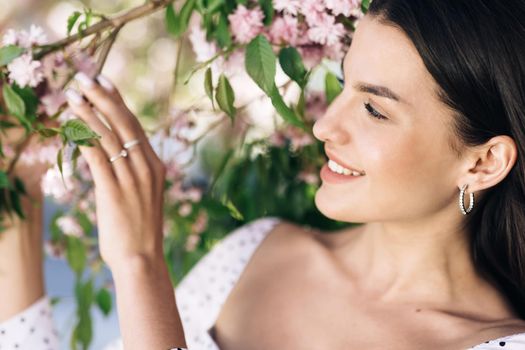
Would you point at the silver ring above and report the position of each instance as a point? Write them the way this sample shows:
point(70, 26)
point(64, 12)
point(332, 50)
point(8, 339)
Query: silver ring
point(122, 154)
point(131, 144)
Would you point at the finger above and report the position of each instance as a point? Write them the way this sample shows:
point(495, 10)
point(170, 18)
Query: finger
point(100, 168)
point(108, 101)
point(109, 141)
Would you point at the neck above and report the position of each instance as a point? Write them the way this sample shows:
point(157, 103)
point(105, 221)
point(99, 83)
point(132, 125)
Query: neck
point(426, 260)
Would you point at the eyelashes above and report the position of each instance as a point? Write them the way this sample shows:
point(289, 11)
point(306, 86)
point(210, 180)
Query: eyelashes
point(371, 111)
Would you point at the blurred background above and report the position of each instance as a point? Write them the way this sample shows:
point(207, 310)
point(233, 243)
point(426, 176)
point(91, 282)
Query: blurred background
point(141, 64)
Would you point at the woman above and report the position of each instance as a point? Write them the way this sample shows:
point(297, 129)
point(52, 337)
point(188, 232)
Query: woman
point(431, 112)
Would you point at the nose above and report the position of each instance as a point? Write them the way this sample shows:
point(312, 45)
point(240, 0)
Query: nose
point(330, 127)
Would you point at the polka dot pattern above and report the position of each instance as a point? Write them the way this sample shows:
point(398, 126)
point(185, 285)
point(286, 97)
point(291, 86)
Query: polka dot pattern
point(33, 328)
point(200, 296)
point(510, 342)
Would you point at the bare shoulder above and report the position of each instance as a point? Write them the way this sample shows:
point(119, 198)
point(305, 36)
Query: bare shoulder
point(292, 238)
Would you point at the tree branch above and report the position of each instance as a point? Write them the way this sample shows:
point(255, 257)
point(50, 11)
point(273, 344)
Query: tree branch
point(116, 22)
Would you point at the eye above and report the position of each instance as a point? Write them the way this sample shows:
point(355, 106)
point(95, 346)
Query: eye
point(341, 81)
point(373, 112)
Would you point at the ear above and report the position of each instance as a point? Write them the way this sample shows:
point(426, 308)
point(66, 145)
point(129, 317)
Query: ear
point(488, 164)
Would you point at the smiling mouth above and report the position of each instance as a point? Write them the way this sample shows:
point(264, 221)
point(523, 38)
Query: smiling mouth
point(339, 169)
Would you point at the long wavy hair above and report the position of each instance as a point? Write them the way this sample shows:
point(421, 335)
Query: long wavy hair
point(475, 51)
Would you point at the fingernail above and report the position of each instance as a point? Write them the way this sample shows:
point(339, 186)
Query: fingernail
point(105, 83)
point(84, 80)
point(74, 97)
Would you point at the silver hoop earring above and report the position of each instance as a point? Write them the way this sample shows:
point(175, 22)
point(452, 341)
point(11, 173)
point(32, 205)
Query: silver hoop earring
point(462, 199)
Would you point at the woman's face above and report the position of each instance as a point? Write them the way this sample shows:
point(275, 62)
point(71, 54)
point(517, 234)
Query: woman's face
point(410, 169)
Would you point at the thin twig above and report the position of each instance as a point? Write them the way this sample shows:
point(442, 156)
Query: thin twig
point(106, 48)
point(116, 22)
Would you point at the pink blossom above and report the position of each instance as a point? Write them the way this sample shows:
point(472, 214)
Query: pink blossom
point(56, 70)
point(53, 186)
point(54, 249)
point(312, 55)
point(9, 151)
point(201, 223)
point(10, 37)
point(52, 102)
point(35, 36)
point(41, 154)
point(326, 31)
point(298, 138)
point(85, 64)
point(191, 242)
point(335, 52)
point(277, 139)
point(288, 6)
point(70, 226)
point(312, 10)
point(185, 209)
point(342, 7)
point(246, 24)
point(167, 227)
point(315, 105)
point(25, 71)
point(204, 50)
point(309, 177)
point(285, 29)
point(25, 39)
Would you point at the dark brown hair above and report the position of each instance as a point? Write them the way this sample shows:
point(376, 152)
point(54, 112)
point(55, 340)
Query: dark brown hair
point(475, 51)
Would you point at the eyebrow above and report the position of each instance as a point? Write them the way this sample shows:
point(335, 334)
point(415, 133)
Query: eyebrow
point(378, 90)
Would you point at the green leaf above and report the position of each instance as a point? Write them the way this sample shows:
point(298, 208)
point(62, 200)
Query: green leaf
point(208, 85)
point(30, 99)
point(4, 180)
point(177, 24)
point(213, 6)
point(284, 111)
point(17, 205)
point(60, 165)
point(332, 87)
point(72, 19)
point(15, 103)
point(225, 96)
point(76, 254)
point(9, 53)
point(104, 301)
point(49, 132)
point(268, 10)
point(171, 20)
point(76, 130)
point(364, 6)
point(222, 32)
point(260, 63)
point(234, 212)
point(4, 124)
point(19, 186)
point(83, 332)
point(292, 64)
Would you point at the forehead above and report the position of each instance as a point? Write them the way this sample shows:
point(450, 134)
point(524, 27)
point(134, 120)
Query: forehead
point(381, 54)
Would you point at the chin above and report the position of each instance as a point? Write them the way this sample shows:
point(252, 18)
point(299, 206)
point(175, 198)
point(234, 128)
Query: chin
point(331, 207)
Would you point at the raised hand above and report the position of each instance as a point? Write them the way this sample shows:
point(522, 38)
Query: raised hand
point(129, 182)
point(129, 188)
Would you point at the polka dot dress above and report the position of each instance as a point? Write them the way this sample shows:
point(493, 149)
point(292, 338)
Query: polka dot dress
point(200, 296)
point(31, 329)
point(513, 342)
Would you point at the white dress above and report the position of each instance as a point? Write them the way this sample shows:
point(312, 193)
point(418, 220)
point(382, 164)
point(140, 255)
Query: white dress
point(200, 296)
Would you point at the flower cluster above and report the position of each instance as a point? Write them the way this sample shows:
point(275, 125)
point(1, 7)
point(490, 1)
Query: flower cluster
point(311, 26)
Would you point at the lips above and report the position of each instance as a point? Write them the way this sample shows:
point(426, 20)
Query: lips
point(333, 157)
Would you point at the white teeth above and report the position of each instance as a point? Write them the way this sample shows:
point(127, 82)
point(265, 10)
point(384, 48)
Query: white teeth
point(336, 168)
